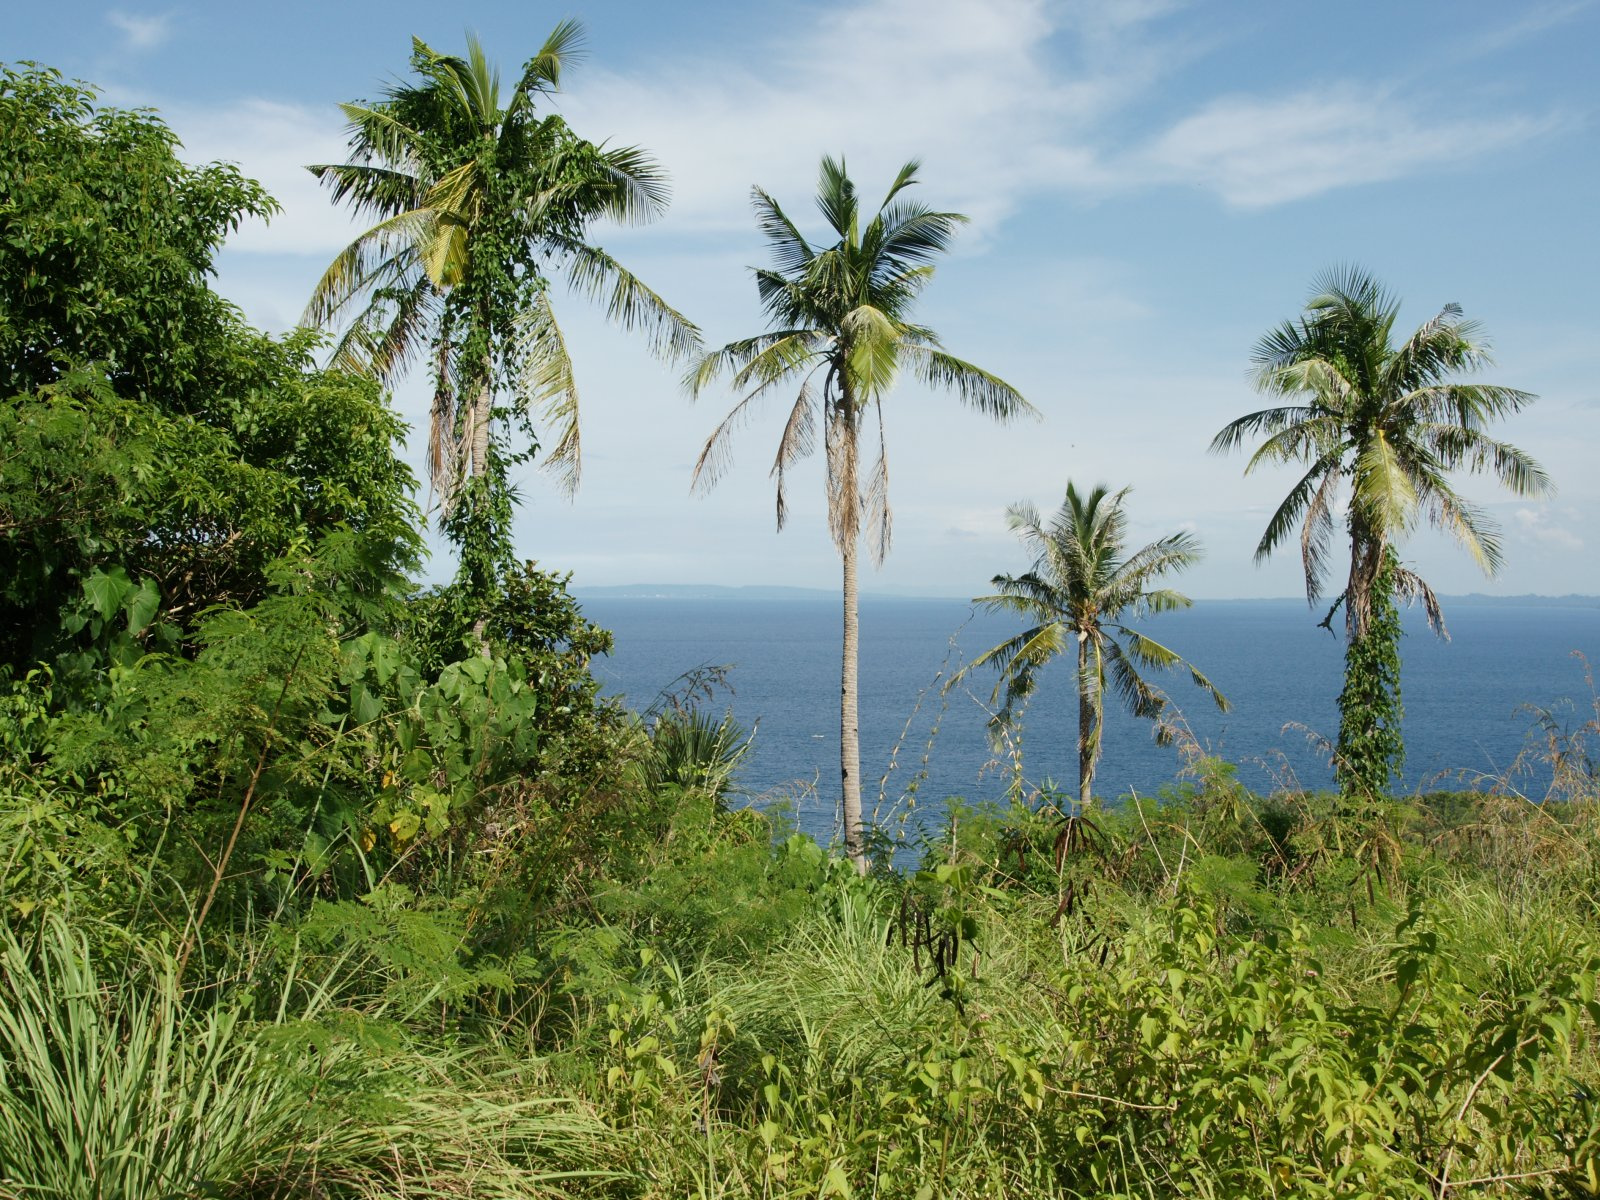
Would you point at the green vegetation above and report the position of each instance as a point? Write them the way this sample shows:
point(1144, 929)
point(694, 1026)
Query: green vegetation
point(1082, 587)
point(317, 883)
point(1393, 422)
point(843, 312)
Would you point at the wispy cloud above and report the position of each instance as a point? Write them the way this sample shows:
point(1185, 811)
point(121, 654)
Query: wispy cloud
point(1008, 98)
point(1539, 525)
point(273, 143)
point(1530, 21)
point(967, 84)
point(1256, 151)
point(142, 32)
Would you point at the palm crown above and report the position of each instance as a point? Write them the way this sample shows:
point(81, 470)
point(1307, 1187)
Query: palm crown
point(474, 201)
point(1389, 421)
point(1079, 594)
point(841, 312)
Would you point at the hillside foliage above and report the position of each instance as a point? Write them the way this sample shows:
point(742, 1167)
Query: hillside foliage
point(315, 881)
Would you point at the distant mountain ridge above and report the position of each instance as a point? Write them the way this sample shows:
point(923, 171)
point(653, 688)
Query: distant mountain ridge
point(713, 591)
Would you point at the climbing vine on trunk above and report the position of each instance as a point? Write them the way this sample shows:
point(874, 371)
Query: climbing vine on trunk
point(1372, 750)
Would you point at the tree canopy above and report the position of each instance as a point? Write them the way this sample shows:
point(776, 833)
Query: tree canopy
point(147, 429)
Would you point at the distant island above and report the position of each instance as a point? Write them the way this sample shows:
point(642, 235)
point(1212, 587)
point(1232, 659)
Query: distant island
point(712, 591)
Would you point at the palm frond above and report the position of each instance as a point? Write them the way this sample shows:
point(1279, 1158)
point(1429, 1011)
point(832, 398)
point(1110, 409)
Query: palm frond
point(1288, 512)
point(1137, 695)
point(1383, 486)
point(379, 256)
point(880, 517)
point(874, 350)
point(639, 190)
point(716, 453)
point(377, 135)
point(546, 382)
point(911, 234)
point(836, 199)
point(1468, 405)
point(1316, 531)
point(1411, 587)
point(798, 441)
point(766, 358)
point(788, 246)
point(1267, 420)
point(1468, 524)
point(906, 177)
point(1017, 659)
point(374, 191)
point(564, 45)
point(974, 386)
point(595, 274)
point(1516, 470)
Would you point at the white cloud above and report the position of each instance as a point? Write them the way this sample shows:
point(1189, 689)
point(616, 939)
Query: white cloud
point(1005, 98)
point(273, 143)
point(971, 85)
point(142, 32)
point(1526, 23)
point(1537, 524)
point(1256, 151)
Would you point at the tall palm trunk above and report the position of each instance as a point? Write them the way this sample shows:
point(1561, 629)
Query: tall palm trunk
point(847, 534)
point(849, 718)
point(1088, 702)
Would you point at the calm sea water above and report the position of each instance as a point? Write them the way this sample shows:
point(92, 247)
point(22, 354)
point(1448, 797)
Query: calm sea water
point(1464, 699)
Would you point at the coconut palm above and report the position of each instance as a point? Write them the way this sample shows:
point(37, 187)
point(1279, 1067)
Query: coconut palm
point(840, 329)
point(1385, 424)
point(477, 196)
point(1378, 429)
point(1079, 596)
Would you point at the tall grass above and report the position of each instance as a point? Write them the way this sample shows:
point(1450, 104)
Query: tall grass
point(116, 1090)
point(120, 1086)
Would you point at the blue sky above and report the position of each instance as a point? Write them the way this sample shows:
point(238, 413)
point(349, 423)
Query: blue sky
point(1152, 185)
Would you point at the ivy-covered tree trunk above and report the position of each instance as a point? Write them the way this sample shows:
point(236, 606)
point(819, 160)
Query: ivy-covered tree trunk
point(1371, 749)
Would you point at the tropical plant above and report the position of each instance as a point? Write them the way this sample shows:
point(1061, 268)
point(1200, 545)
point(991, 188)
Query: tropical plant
point(1078, 594)
point(477, 196)
point(146, 431)
point(840, 327)
point(1387, 424)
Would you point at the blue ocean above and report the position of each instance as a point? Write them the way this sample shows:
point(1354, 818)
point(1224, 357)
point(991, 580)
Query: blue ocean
point(1468, 701)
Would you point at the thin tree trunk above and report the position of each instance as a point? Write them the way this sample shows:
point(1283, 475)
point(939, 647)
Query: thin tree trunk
point(849, 718)
point(1086, 707)
point(844, 505)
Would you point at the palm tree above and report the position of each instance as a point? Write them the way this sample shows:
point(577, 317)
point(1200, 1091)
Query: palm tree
point(839, 327)
point(476, 197)
point(1079, 593)
point(1379, 428)
point(1387, 419)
